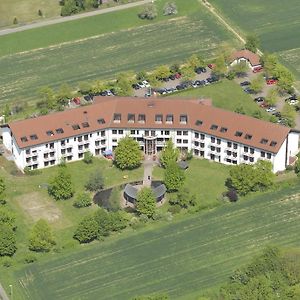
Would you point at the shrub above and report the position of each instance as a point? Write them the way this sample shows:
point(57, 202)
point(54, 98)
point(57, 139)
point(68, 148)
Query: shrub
point(149, 12)
point(88, 157)
point(7, 240)
point(174, 209)
point(82, 200)
point(7, 262)
point(170, 8)
point(30, 258)
point(232, 195)
point(95, 182)
point(87, 230)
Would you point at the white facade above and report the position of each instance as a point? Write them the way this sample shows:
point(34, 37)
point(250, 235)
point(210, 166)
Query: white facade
point(246, 61)
point(151, 141)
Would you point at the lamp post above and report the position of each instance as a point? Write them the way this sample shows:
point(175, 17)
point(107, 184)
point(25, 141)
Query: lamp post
point(11, 291)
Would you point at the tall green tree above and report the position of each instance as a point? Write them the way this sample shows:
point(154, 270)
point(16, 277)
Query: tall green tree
point(269, 62)
point(173, 177)
point(145, 202)
point(87, 230)
point(123, 84)
point(95, 182)
point(169, 154)
point(240, 69)
point(285, 78)
point(61, 187)
point(252, 43)
point(289, 114)
point(195, 61)
point(272, 97)
point(64, 94)
point(162, 72)
point(127, 155)
point(8, 245)
point(220, 66)
point(257, 83)
point(187, 73)
point(41, 238)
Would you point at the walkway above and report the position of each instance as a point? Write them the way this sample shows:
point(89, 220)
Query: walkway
point(148, 168)
point(3, 295)
point(72, 18)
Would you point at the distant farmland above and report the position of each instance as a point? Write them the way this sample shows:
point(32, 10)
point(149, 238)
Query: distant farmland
point(105, 55)
point(182, 259)
point(276, 22)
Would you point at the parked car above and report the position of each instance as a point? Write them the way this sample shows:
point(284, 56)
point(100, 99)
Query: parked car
point(245, 83)
point(200, 70)
point(249, 91)
point(136, 86)
point(211, 66)
point(76, 100)
point(257, 69)
point(178, 75)
point(293, 102)
point(276, 114)
point(172, 77)
point(271, 109)
point(259, 99)
point(146, 83)
point(264, 105)
point(271, 81)
point(88, 97)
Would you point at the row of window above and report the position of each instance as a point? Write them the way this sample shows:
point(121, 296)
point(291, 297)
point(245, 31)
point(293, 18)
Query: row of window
point(141, 118)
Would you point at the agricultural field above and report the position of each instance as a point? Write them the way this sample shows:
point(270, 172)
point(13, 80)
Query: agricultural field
point(275, 22)
point(104, 55)
point(26, 11)
point(184, 258)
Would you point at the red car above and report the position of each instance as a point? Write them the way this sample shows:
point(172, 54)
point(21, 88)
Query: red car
point(271, 81)
point(257, 69)
point(76, 100)
point(211, 66)
point(264, 105)
point(177, 75)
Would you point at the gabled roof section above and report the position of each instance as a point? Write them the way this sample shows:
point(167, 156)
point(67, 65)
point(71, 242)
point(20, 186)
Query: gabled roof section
point(253, 58)
point(231, 126)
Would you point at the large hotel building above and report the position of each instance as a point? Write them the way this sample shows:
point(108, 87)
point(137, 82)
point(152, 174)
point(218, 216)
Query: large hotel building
point(211, 133)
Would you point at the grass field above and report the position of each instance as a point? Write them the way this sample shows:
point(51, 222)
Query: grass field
point(226, 94)
point(184, 258)
point(108, 53)
point(26, 10)
point(275, 22)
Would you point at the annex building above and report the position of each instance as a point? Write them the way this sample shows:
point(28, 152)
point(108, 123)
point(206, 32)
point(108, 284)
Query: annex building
point(211, 133)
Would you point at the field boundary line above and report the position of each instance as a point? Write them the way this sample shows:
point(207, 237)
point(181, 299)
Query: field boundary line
point(72, 18)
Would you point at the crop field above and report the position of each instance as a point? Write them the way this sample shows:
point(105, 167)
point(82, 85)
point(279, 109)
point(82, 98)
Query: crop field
point(26, 10)
point(105, 55)
point(183, 259)
point(276, 22)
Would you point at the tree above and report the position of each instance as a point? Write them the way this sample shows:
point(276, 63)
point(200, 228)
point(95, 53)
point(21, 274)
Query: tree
point(173, 177)
point(269, 62)
point(82, 200)
point(103, 220)
point(225, 49)
point(175, 68)
point(124, 87)
point(272, 97)
point(240, 109)
point(41, 238)
point(252, 43)
point(114, 200)
point(169, 154)
point(240, 69)
point(195, 61)
point(61, 187)
point(142, 75)
point(69, 8)
point(170, 8)
point(48, 98)
point(7, 240)
point(220, 66)
point(127, 154)
point(145, 202)
point(149, 12)
point(88, 157)
point(285, 78)
point(87, 230)
point(117, 221)
point(40, 13)
point(2, 190)
point(64, 94)
point(162, 72)
point(258, 114)
point(85, 87)
point(183, 198)
point(257, 83)
point(187, 73)
point(95, 182)
point(7, 217)
point(289, 114)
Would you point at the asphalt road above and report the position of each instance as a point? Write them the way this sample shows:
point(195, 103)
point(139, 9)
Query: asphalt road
point(71, 18)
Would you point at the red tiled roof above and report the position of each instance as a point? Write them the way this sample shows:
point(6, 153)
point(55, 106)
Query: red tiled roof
point(253, 58)
point(107, 107)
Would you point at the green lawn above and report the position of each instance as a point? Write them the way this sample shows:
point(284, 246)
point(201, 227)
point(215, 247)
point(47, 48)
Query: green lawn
point(226, 94)
point(275, 22)
point(204, 178)
point(101, 52)
point(183, 258)
point(26, 11)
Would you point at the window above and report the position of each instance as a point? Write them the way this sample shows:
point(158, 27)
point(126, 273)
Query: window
point(50, 132)
point(196, 135)
point(214, 127)
point(101, 121)
point(117, 118)
point(263, 141)
point(246, 149)
point(103, 133)
point(169, 119)
point(131, 118)
point(238, 133)
point(185, 132)
point(27, 151)
point(167, 132)
point(24, 139)
point(199, 123)
point(75, 126)
point(158, 118)
point(120, 131)
point(235, 146)
point(273, 144)
point(80, 139)
point(248, 136)
point(251, 159)
point(228, 153)
point(269, 155)
point(251, 150)
point(178, 132)
point(202, 136)
point(218, 149)
point(219, 141)
point(245, 157)
point(212, 139)
point(142, 118)
point(213, 148)
point(178, 141)
point(196, 143)
point(115, 131)
point(202, 145)
point(63, 151)
point(234, 154)
point(85, 124)
point(59, 130)
point(229, 144)
point(63, 143)
point(223, 129)
point(33, 137)
point(183, 119)
point(80, 155)
point(132, 131)
point(185, 141)
point(262, 153)
point(86, 137)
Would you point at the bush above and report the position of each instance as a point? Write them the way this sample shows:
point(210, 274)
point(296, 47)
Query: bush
point(7, 240)
point(95, 182)
point(30, 258)
point(232, 195)
point(87, 230)
point(170, 8)
point(174, 209)
point(7, 262)
point(149, 12)
point(88, 157)
point(82, 200)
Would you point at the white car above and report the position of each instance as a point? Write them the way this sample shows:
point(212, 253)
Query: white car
point(293, 102)
point(146, 83)
point(271, 109)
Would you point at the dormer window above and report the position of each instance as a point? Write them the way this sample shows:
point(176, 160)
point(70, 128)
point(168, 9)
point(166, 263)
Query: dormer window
point(131, 118)
point(214, 127)
point(264, 141)
point(117, 118)
point(101, 121)
point(248, 136)
point(85, 124)
point(223, 129)
point(169, 119)
point(50, 133)
point(76, 127)
point(199, 123)
point(33, 137)
point(238, 133)
point(183, 119)
point(142, 118)
point(59, 130)
point(273, 144)
point(158, 118)
point(24, 139)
